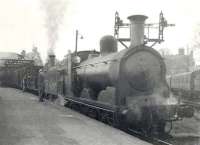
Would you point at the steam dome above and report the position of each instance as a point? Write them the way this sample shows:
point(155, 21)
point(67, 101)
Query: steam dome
point(108, 44)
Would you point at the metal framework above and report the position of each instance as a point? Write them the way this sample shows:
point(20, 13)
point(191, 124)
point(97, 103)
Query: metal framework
point(160, 26)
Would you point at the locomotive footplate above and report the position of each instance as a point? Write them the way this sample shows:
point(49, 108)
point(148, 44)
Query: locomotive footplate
point(103, 112)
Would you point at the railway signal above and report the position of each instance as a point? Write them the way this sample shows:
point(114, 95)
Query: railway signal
point(161, 25)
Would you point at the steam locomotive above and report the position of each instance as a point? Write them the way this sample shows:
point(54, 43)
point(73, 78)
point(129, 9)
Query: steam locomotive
point(126, 88)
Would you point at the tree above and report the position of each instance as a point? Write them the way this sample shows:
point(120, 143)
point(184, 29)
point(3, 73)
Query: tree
point(196, 37)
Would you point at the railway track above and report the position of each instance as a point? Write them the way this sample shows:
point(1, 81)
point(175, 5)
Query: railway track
point(195, 104)
point(150, 139)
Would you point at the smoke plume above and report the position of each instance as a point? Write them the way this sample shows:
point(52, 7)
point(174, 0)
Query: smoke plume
point(54, 14)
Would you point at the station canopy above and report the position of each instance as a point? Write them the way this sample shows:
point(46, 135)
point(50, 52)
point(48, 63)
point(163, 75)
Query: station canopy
point(15, 63)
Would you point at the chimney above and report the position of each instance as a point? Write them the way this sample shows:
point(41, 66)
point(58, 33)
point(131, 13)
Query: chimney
point(137, 29)
point(52, 60)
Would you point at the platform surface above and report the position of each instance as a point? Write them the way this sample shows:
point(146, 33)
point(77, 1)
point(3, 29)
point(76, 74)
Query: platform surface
point(25, 121)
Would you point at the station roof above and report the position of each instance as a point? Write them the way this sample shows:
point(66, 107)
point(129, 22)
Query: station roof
point(9, 55)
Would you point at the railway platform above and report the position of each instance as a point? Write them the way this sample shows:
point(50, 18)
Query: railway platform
point(25, 121)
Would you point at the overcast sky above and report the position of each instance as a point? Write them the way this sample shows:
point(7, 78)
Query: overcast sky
point(22, 22)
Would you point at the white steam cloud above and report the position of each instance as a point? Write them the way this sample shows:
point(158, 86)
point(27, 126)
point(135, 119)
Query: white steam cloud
point(54, 14)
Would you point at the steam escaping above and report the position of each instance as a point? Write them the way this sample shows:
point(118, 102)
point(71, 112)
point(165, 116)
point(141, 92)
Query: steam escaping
point(54, 14)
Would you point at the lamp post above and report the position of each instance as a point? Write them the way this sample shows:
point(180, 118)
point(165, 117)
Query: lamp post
point(76, 42)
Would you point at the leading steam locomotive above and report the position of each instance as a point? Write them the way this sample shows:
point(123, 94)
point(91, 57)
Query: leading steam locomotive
point(125, 88)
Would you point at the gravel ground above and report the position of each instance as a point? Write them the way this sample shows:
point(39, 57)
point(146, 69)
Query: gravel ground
point(25, 121)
